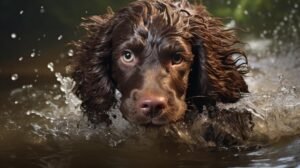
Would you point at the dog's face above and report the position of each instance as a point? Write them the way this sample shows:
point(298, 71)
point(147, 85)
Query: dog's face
point(158, 54)
point(151, 71)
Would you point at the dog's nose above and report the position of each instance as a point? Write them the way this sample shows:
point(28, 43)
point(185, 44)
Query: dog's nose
point(152, 106)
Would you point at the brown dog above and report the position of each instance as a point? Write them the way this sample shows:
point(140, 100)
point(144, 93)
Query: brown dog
point(165, 57)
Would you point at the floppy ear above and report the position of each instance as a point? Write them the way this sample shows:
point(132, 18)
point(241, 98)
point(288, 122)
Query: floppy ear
point(216, 75)
point(198, 79)
point(91, 68)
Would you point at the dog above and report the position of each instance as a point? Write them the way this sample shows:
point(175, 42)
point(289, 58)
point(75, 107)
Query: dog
point(165, 57)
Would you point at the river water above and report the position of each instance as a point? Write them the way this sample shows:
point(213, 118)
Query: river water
point(41, 124)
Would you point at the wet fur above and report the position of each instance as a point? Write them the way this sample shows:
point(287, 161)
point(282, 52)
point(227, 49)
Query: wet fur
point(215, 75)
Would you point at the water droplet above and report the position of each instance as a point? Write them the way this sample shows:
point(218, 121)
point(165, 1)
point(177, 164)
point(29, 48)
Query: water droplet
point(27, 86)
point(42, 9)
point(13, 35)
point(51, 66)
point(16, 102)
point(70, 53)
point(21, 59)
point(281, 23)
point(59, 37)
point(246, 12)
point(265, 32)
point(21, 12)
point(294, 29)
point(285, 18)
point(32, 53)
point(284, 89)
point(231, 24)
point(57, 97)
point(14, 77)
point(296, 5)
point(36, 127)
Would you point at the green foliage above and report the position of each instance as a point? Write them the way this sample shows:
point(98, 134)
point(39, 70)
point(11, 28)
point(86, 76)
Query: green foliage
point(257, 16)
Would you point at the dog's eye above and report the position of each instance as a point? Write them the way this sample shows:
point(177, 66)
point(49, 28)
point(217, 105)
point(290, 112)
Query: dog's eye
point(176, 59)
point(127, 56)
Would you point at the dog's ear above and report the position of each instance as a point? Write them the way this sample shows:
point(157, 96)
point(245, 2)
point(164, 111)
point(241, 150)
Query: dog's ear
point(91, 68)
point(198, 79)
point(216, 74)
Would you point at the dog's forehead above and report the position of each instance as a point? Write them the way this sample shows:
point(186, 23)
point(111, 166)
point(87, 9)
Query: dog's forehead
point(154, 33)
point(153, 19)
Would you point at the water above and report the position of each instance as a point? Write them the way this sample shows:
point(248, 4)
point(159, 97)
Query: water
point(42, 126)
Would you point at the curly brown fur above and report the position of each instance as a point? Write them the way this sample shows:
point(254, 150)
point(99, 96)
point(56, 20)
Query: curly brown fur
point(153, 30)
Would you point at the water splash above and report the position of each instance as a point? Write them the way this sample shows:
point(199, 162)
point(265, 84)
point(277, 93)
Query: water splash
point(14, 77)
point(33, 54)
point(59, 37)
point(50, 66)
point(13, 35)
point(57, 113)
point(66, 86)
point(273, 100)
point(42, 9)
point(71, 53)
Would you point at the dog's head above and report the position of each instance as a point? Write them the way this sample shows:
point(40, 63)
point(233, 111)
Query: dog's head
point(161, 56)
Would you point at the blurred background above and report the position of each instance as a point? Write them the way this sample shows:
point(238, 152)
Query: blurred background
point(35, 33)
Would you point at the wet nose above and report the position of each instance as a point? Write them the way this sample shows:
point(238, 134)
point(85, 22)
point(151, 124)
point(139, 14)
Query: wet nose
point(152, 106)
